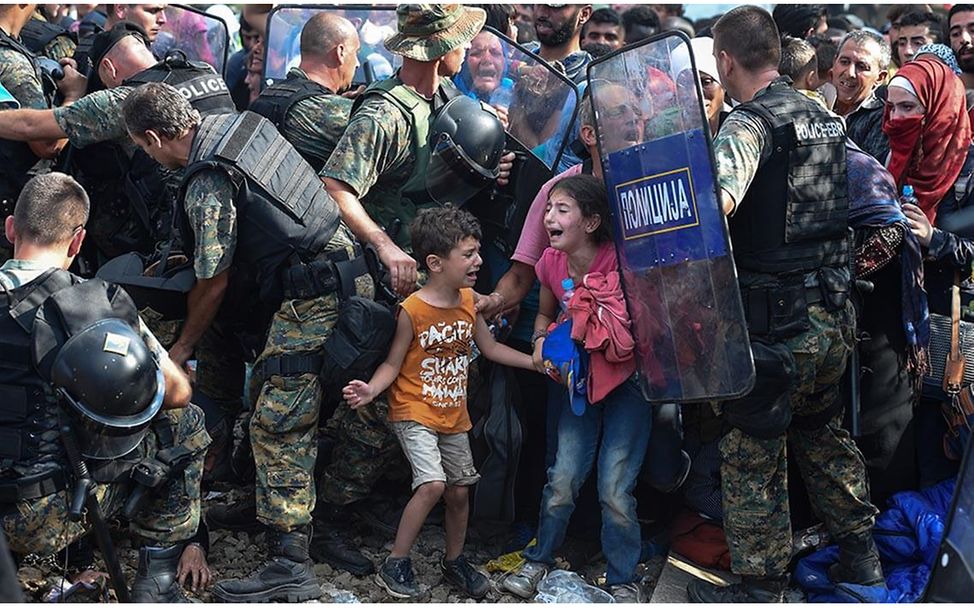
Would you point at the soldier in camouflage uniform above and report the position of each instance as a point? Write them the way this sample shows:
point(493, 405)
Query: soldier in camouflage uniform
point(35, 491)
point(377, 174)
point(307, 107)
point(795, 280)
point(273, 227)
point(21, 77)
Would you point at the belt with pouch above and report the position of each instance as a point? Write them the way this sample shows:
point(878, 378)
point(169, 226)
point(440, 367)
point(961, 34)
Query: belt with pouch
point(30, 488)
point(332, 272)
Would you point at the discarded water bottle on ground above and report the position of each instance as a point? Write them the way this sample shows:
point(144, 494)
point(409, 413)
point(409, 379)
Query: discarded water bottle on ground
point(564, 587)
point(503, 95)
point(334, 595)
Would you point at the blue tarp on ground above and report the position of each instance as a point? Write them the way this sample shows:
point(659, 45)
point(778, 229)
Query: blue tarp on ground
point(908, 536)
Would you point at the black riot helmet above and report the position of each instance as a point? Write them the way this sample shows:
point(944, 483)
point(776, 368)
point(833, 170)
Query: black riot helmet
point(113, 384)
point(466, 144)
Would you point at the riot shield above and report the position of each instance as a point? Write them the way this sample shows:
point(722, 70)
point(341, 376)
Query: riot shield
point(200, 36)
point(374, 24)
point(952, 577)
point(539, 107)
point(670, 233)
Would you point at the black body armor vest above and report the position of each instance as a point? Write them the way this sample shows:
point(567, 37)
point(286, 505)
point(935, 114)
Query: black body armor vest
point(284, 213)
point(16, 158)
point(276, 101)
point(133, 198)
point(37, 34)
point(29, 424)
point(795, 215)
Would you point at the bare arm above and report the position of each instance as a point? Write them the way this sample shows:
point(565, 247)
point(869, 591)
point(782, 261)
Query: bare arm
point(497, 352)
point(178, 389)
point(202, 304)
point(547, 307)
point(358, 393)
point(30, 125)
point(511, 289)
point(401, 265)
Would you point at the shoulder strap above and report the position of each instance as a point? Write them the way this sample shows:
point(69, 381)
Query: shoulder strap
point(954, 369)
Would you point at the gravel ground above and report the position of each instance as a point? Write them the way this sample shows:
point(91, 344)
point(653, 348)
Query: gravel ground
point(234, 554)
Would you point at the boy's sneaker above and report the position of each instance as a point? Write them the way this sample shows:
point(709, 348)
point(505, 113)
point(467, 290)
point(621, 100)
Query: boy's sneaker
point(524, 582)
point(465, 577)
point(629, 593)
point(396, 577)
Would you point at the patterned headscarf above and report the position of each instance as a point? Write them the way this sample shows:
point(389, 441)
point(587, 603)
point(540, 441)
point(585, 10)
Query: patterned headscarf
point(943, 53)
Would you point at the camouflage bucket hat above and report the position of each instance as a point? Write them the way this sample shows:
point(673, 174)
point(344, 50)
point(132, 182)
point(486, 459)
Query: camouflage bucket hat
point(429, 31)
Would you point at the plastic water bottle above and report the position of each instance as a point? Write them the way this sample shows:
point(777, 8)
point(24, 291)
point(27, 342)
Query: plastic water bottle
point(568, 285)
point(908, 197)
point(503, 95)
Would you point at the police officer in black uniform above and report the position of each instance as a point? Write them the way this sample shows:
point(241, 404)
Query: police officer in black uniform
point(78, 362)
point(782, 169)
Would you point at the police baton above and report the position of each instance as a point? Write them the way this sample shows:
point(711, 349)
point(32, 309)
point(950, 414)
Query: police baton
point(84, 498)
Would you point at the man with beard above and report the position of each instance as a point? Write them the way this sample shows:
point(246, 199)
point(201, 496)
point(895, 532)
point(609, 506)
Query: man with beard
point(860, 67)
point(605, 29)
point(559, 30)
point(960, 30)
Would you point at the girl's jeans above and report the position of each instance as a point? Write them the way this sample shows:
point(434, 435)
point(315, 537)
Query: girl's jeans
point(617, 430)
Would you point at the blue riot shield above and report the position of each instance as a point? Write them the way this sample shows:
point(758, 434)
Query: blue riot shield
point(374, 24)
point(200, 36)
point(671, 237)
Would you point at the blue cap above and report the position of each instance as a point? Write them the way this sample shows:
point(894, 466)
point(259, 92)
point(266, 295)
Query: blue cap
point(7, 101)
point(907, 190)
point(568, 284)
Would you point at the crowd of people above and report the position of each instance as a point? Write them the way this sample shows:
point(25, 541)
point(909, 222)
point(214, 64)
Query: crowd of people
point(365, 261)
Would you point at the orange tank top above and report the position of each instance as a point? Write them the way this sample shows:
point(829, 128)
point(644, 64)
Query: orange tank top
point(431, 388)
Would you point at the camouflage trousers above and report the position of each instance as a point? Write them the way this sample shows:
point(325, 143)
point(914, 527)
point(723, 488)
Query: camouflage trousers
point(754, 472)
point(365, 449)
point(284, 427)
point(170, 515)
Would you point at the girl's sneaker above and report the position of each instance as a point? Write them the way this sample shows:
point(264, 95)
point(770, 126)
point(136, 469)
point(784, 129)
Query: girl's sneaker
point(465, 577)
point(524, 582)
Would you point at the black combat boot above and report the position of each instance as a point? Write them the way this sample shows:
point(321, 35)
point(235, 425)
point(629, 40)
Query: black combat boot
point(331, 544)
point(751, 590)
point(288, 575)
point(237, 517)
point(155, 582)
point(858, 561)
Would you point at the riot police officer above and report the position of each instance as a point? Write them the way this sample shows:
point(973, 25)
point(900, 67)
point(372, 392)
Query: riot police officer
point(307, 107)
point(132, 195)
point(76, 351)
point(21, 76)
point(781, 166)
point(268, 238)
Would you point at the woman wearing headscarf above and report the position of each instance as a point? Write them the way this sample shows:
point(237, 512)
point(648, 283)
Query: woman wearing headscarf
point(894, 318)
point(929, 132)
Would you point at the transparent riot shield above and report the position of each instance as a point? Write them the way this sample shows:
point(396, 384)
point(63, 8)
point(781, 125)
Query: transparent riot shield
point(374, 24)
point(670, 234)
point(539, 108)
point(200, 36)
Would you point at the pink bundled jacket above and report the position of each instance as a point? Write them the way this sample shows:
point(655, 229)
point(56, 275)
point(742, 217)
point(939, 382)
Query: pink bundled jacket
point(601, 322)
